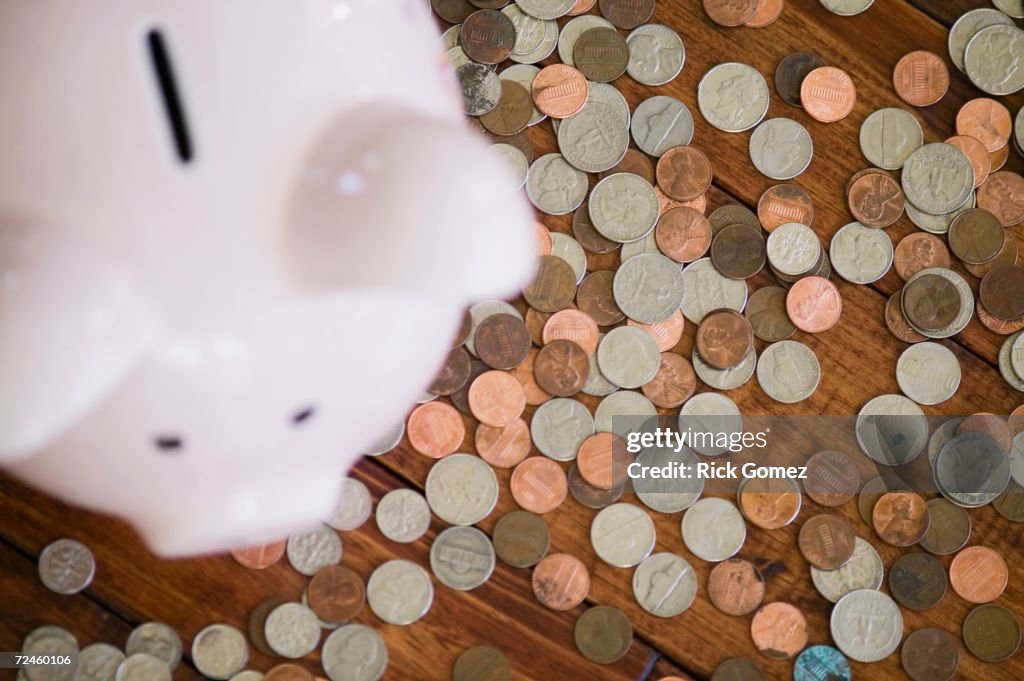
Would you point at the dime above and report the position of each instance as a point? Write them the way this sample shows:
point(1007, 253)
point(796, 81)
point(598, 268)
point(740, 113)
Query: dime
point(978, 574)
point(900, 518)
point(864, 570)
point(821, 662)
point(784, 203)
point(561, 581)
point(683, 234)
point(354, 642)
point(649, 288)
point(766, 311)
point(992, 633)
point(892, 430)
point(539, 485)
point(66, 567)
point(793, 248)
point(739, 251)
point(220, 651)
point(826, 541)
point(736, 587)
point(875, 200)
point(781, 148)
point(828, 94)
point(683, 173)
point(814, 304)
point(888, 137)
point(790, 74)
point(656, 54)
point(921, 78)
point(403, 515)
point(930, 655)
point(948, 530)
point(769, 504)
point(992, 59)
point(622, 535)
point(661, 123)
point(461, 489)
point(601, 54)
point(862, 643)
point(292, 630)
point(733, 97)
point(399, 591)
point(916, 252)
point(98, 662)
point(788, 372)
point(521, 539)
point(559, 426)
point(928, 373)
point(972, 469)
point(779, 630)
point(623, 207)
point(603, 634)
point(481, 88)
point(314, 549)
point(595, 139)
point(664, 585)
point(627, 14)
point(861, 254)
point(713, 529)
point(462, 558)
point(481, 663)
point(967, 26)
point(554, 186)
point(725, 13)
point(548, 31)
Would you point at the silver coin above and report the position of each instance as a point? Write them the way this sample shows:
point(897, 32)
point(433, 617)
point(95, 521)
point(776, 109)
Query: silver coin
point(544, 50)
point(992, 59)
point(609, 95)
point(972, 469)
point(788, 371)
point(622, 535)
point(668, 495)
point(354, 506)
point(937, 178)
point(595, 139)
point(1017, 355)
point(220, 651)
point(710, 413)
point(248, 675)
point(656, 54)
point(793, 249)
point(481, 87)
point(354, 653)
point(1015, 8)
point(481, 311)
point(142, 667)
point(866, 625)
point(928, 373)
point(623, 206)
point(847, 8)
point(937, 224)
point(781, 148)
point(310, 551)
point(649, 288)
point(462, 489)
point(387, 440)
point(156, 639)
point(450, 38)
point(943, 434)
point(515, 161)
point(524, 74)
point(665, 585)
point(1012, 378)
point(966, 302)
point(733, 97)
point(864, 570)
point(628, 357)
point(560, 426)
point(572, 31)
point(546, 9)
point(52, 645)
point(403, 516)
point(706, 289)
point(660, 123)
point(967, 26)
point(292, 630)
point(892, 430)
point(860, 254)
point(714, 529)
point(98, 662)
point(597, 385)
point(619, 405)
point(48, 631)
point(529, 30)
point(889, 136)
point(649, 244)
point(1017, 459)
point(569, 250)
point(1018, 131)
point(458, 57)
point(66, 567)
point(554, 186)
point(399, 592)
point(725, 379)
point(462, 558)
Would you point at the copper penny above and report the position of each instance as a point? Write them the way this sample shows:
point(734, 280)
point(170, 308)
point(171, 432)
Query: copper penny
point(561, 581)
point(766, 311)
point(562, 368)
point(539, 485)
point(581, 7)
point(766, 13)
point(828, 94)
point(513, 112)
point(627, 14)
point(730, 12)
point(978, 574)
point(931, 302)
point(601, 54)
point(739, 252)
point(784, 203)
point(336, 594)
point(736, 587)
point(453, 374)
point(988, 424)
point(999, 158)
point(832, 478)
point(590, 496)
point(1007, 255)
point(259, 557)
point(502, 341)
point(683, 173)
point(859, 174)
point(596, 298)
point(674, 383)
point(288, 672)
point(601, 460)
point(876, 200)
point(769, 504)
point(543, 240)
point(919, 251)
point(900, 518)
point(553, 287)
point(435, 429)
point(724, 338)
point(790, 74)
point(827, 541)
point(535, 322)
point(496, 398)
point(572, 325)
point(987, 121)
point(918, 581)
point(996, 325)
point(683, 234)
point(814, 304)
point(666, 203)
point(487, 36)
point(503, 446)
point(930, 655)
point(667, 333)
point(524, 373)
point(560, 91)
point(779, 630)
point(921, 78)
point(452, 11)
point(732, 214)
point(1003, 195)
point(521, 539)
point(897, 323)
point(738, 669)
point(256, 625)
point(481, 663)
point(975, 236)
point(460, 398)
point(976, 153)
point(636, 162)
point(588, 236)
point(1002, 292)
point(465, 327)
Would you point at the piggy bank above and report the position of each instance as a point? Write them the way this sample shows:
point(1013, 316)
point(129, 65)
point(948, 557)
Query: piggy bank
point(236, 242)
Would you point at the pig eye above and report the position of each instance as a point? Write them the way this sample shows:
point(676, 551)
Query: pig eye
point(169, 443)
point(170, 95)
point(303, 415)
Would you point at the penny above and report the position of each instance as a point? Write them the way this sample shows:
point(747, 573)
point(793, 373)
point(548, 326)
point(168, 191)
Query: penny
point(828, 94)
point(930, 302)
point(736, 587)
point(683, 173)
point(257, 624)
point(399, 592)
point(733, 97)
point(713, 529)
point(683, 234)
point(987, 121)
point(501, 341)
point(666, 204)
point(866, 644)
point(978, 574)
point(920, 78)
point(975, 236)
point(739, 251)
point(601, 461)
point(666, 333)
point(937, 224)
point(897, 323)
point(561, 368)
point(864, 570)
point(511, 115)
point(336, 594)
point(656, 54)
point(876, 200)
point(991, 425)
point(481, 663)
point(779, 630)
point(784, 203)
point(572, 325)
point(873, 490)
point(553, 287)
point(725, 13)
point(948, 530)
point(287, 672)
point(724, 338)
point(919, 251)
point(930, 654)
point(487, 36)
point(561, 581)
point(1002, 292)
point(736, 669)
point(435, 429)
point(832, 478)
point(1010, 504)
point(461, 489)
point(998, 159)
point(1008, 255)
point(462, 558)
point(917, 581)
point(664, 585)
point(559, 91)
point(539, 485)
point(590, 496)
point(627, 14)
point(587, 235)
point(521, 539)
point(992, 633)
point(674, 383)
point(559, 426)
point(790, 74)
point(814, 304)
point(979, 156)
point(732, 214)
point(603, 634)
point(636, 162)
point(767, 314)
point(523, 75)
point(454, 374)
point(452, 11)
point(622, 535)
point(661, 123)
point(403, 516)
point(860, 254)
point(766, 13)
point(601, 54)
point(596, 298)
point(66, 567)
point(826, 541)
point(900, 518)
point(503, 446)
point(497, 398)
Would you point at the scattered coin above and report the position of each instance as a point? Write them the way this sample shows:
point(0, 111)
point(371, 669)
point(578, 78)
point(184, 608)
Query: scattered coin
point(972, 469)
point(766, 311)
point(790, 74)
point(559, 91)
point(987, 121)
point(661, 123)
point(858, 642)
point(739, 251)
point(930, 654)
point(649, 288)
point(827, 541)
point(733, 97)
point(674, 383)
point(556, 188)
point(157, 640)
point(625, 14)
point(66, 567)
point(736, 669)
point(888, 137)
point(462, 558)
point(821, 662)
point(875, 200)
point(137, 667)
point(503, 447)
point(814, 304)
point(781, 148)
point(622, 535)
point(992, 633)
point(985, 59)
point(399, 592)
point(900, 518)
point(713, 529)
point(561, 581)
point(98, 662)
point(603, 634)
point(736, 587)
point(354, 642)
point(1002, 292)
point(943, 194)
point(928, 373)
point(978, 574)
point(435, 429)
point(948, 530)
point(656, 54)
point(828, 94)
point(705, 289)
point(521, 539)
point(220, 651)
point(917, 581)
point(779, 630)
point(288, 672)
point(919, 251)
point(336, 594)
point(403, 515)
point(664, 585)
point(539, 485)
point(864, 570)
point(481, 663)
point(793, 249)
point(832, 478)
point(292, 630)
point(496, 398)
point(921, 78)
point(562, 367)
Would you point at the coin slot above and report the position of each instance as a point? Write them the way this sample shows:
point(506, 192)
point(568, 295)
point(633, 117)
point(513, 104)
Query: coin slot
point(303, 415)
point(174, 109)
point(169, 443)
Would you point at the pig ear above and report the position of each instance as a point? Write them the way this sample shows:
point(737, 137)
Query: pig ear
point(72, 325)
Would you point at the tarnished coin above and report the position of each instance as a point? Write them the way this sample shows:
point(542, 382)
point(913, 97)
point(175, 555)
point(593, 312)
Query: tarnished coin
point(596, 298)
point(948, 530)
point(399, 592)
point(736, 669)
point(937, 178)
point(897, 323)
point(930, 301)
point(590, 496)
point(603, 634)
point(713, 529)
point(220, 651)
point(403, 515)
point(524, 75)
point(488, 36)
point(892, 430)
point(1002, 292)
point(736, 587)
point(622, 535)
point(354, 653)
point(636, 162)
point(900, 518)
point(920, 78)
point(481, 88)
point(917, 581)
point(975, 236)
point(561, 581)
point(553, 286)
point(136, 667)
point(461, 489)
point(155, 639)
point(664, 585)
point(814, 304)
point(992, 633)
point(462, 558)
point(521, 539)
point(766, 311)
point(571, 32)
point(788, 372)
point(793, 248)
point(888, 137)
point(992, 59)
point(832, 478)
point(733, 97)
point(779, 630)
point(739, 251)
point(539, 485)
point(623, 207)
point(828, 94)
point(649, 288)
point(595, 139)
point(790, 74)
point(601, 54)
point(875, 199)
point(732, 214)
point(292, 630)
point(972, 469)
point(860, 254)
point(781, 148)
point(481, 663)
point(706, 289)
point(826, 541)
point(930, 654)
point(661, 123)
point(821, 663)
point(555, 187)
point(864, 570)
point(656, 54)
point(978, 574)
point(928, 373)
point(967, 26)
point(513, 112)
point(66, 567)
point(860, 642)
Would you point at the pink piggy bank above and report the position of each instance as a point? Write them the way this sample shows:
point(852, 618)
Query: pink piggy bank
point(236, 240)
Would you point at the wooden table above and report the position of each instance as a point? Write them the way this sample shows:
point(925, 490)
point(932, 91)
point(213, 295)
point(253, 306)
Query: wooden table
point(858, 361)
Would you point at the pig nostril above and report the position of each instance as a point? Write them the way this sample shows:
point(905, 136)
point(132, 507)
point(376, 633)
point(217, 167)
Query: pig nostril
point(303, 415)
point(168, 443)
